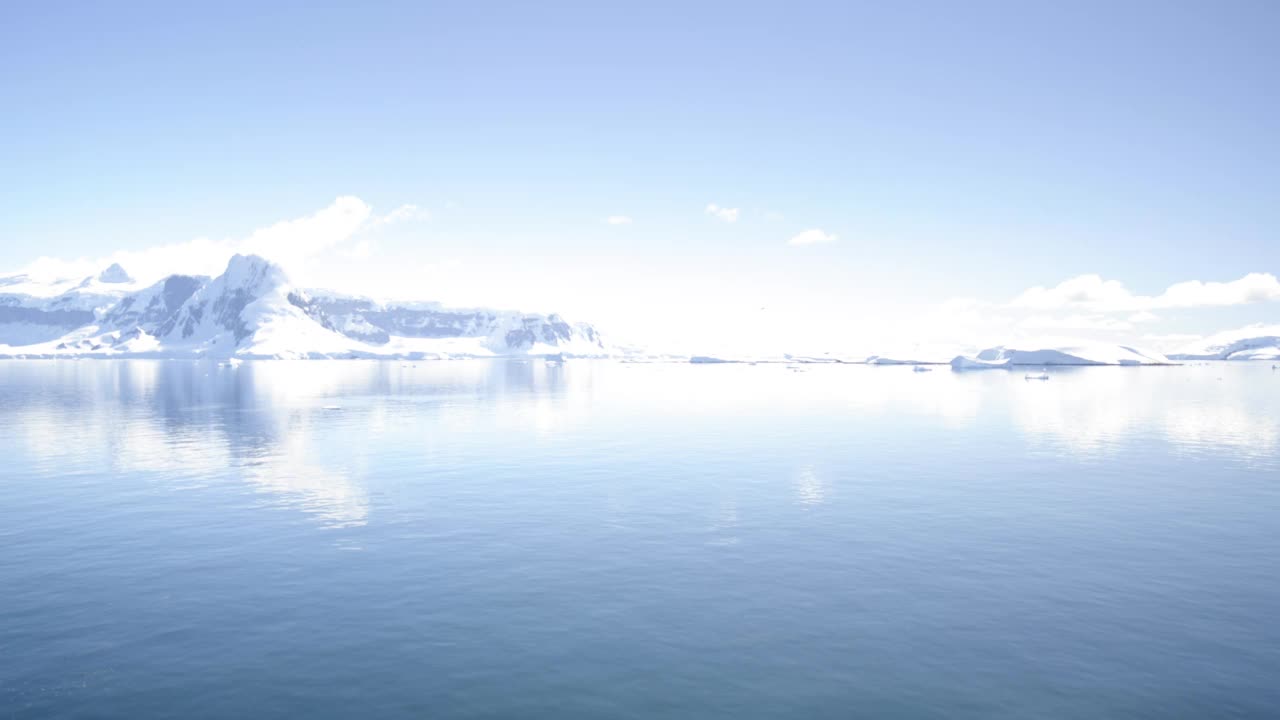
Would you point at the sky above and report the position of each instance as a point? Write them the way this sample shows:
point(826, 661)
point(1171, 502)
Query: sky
point(791, 175)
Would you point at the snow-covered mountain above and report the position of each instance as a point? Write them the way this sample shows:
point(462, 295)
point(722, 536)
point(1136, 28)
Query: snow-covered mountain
point(253, 310)
point(1256, 342)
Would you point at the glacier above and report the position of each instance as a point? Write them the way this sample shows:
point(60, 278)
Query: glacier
point(253, 311)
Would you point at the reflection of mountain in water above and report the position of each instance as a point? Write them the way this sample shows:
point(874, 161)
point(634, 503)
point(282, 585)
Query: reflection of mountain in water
point(298, 432)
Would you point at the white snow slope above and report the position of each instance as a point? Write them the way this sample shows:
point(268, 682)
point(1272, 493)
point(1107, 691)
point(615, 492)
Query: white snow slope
point(253, 311)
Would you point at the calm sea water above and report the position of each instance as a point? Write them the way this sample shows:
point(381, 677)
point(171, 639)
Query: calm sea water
point(514, 540)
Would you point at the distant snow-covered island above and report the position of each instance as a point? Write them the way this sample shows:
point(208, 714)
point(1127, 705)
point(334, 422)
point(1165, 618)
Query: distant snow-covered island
point(1257, 342)
point(253, 311)
point(1083, 354)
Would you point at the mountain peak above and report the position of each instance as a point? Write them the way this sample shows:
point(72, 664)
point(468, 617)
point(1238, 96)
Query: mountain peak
point(241, 261)
point(253, 271)
point(114, 274)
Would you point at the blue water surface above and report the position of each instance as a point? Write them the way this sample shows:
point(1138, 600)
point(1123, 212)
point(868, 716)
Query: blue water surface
point(508, 539)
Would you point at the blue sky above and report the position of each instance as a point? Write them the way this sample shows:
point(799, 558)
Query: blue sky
point(954, 150)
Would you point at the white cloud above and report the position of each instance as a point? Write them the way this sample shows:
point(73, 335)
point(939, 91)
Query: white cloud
point(1099, 323)
point(618, 220)
point(1092, 293)
point(403, 278)
point(295, 240)
point(403, 213)
point(812, 237)
point(1169, 342)
point(725, 214)
point(1252, 288)
point(360, 251)
point(290, 243)
point(1083, 291)
point(1091, 306)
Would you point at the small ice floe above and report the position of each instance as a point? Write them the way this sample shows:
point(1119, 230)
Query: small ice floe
point(331, 407)
point(1042, 375)
point(231, 362)
point(921, 368)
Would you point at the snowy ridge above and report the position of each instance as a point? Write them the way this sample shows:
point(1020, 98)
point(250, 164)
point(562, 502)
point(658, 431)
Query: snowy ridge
point(253, 311)
point(152, 307)
point(95, 291)
point(503, 332)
